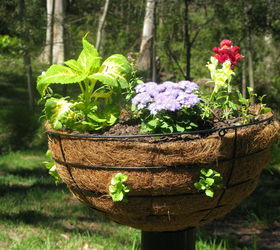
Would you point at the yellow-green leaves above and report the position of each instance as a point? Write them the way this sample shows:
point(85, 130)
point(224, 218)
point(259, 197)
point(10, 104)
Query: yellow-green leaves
point(208, 181)
point(99, 103)
point(56, 110)
point(58, 74)
point(114, 71)
point(89, 60)
point(75, 71)
point(221, 77)
point(117, 189)
point(51, 166)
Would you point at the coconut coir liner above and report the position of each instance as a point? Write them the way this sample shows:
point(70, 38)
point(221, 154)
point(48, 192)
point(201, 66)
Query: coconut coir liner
point(165, 199)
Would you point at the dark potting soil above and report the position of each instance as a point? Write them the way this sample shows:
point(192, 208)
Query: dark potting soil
point(129, 126)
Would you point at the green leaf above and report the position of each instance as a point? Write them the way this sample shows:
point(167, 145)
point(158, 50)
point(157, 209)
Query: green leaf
point(126, 189)
point(152, 123)
point(118, 196)
point(117, 190)
point(56, 110)
point(197, 185)
point(121, 177)
point(266, 110)
point(58, 74)
point(209, 172)
point(112, 189)
point(48, 154)
point(209, 192)
point(114, 71)
point(180, 128)
point(89, 58)
point(203, 171)
point(96, 118)
point(209, 181)
point(73, 64)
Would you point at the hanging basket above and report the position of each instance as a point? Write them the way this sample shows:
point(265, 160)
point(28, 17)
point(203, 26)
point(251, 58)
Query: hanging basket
point(162, 170)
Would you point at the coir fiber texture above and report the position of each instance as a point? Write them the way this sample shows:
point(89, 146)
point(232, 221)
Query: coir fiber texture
point(161, 174)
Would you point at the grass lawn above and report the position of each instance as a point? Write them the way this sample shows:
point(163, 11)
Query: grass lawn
point(37, 214)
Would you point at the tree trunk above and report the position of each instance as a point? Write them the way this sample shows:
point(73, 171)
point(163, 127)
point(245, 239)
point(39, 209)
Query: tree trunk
point(46, 55)
point(28, 73)
point(187, 42)
point(146, 48)
point(26, 54)
point(58, 32)
point(249, 49)
point(244, 76)
point(101, 25)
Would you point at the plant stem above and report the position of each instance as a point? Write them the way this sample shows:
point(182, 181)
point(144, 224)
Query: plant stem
point(87, 97)
point(82, 88)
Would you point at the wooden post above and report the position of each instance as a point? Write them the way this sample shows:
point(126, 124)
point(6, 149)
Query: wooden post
point(178, 240)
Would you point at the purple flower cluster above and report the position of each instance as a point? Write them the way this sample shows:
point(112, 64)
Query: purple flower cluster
point(165, 96)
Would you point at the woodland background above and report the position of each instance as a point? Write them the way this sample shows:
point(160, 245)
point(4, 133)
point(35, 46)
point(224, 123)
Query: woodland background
point(168, 40)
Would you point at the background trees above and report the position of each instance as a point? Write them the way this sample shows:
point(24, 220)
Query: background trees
point(176, 45)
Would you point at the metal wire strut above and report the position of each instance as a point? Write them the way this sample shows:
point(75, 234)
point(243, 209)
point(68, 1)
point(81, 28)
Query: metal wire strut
point(221, 132)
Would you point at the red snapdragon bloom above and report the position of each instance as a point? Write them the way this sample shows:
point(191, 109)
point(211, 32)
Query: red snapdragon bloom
point(227, 52)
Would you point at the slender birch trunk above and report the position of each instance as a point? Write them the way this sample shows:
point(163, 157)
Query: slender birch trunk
point(101, 25)
point(145, 61)
point(58, 33)
point(46, 55)
point(187, 42)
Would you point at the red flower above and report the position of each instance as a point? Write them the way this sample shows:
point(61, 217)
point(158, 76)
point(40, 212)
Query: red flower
point(225, 43)
point(227, 52)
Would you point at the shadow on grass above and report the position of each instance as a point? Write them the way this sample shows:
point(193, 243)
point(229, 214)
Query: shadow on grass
point(23, 189)
point(255, 223)
point(25, 172)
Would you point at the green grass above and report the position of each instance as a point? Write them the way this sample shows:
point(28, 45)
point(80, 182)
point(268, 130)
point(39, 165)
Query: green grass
point(37, 214)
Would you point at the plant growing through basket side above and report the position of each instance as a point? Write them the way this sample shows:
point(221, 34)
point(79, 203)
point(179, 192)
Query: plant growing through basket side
point(51, 166)
point(208, 181)
point(118, 189)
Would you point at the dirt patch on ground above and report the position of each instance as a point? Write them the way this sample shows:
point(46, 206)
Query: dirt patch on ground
point(256, 222)
point(244, 234)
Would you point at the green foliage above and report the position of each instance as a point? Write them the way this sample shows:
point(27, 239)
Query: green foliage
point(51, 166)
point(226, 102)
point(209, 180)
point(117, 189)
point(99, 103)
point(221, 97)
point(9, 44)
point(169, 122)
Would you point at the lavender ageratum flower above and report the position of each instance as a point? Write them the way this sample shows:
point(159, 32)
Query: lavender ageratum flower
point(141, 100)
point(188, 86)
point(151, 88)
point(188, 100)
point(168, 96)
point(172, 104)
point(140, 88)
point(161, 88)
point(171, 85)
point(171, 92)
point(153, 108)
